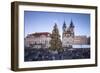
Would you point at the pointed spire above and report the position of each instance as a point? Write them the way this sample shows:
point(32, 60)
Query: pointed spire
point(64, 25)
point(55, 26)
point(71, 24)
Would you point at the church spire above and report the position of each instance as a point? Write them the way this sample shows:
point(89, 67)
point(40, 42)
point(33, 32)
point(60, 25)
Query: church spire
point(64, 26)
point(71, 24)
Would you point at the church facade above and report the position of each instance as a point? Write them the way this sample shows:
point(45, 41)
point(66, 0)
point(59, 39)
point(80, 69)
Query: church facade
point(68, 35)
point(69, 38)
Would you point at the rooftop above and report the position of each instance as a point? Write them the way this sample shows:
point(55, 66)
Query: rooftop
point(38, 34)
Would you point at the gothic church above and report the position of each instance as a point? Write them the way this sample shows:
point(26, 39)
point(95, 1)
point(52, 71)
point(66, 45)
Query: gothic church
point(68, 35)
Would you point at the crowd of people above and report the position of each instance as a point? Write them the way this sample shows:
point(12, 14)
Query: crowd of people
point(31, 54)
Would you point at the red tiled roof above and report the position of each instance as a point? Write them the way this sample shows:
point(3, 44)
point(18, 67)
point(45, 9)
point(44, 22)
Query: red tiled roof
point(38, 34)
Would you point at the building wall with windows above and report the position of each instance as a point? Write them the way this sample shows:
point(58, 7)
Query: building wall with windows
point(38, 40)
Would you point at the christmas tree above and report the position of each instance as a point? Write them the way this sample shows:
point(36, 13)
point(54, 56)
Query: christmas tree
point(55, 41)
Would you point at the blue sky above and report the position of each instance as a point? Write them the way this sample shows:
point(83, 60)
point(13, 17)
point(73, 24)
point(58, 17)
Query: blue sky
point(44, 21)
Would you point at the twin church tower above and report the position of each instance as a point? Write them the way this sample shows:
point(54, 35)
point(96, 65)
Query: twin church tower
point(68, 34)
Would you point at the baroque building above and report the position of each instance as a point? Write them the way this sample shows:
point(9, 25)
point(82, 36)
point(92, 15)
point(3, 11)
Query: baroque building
point(38, 40)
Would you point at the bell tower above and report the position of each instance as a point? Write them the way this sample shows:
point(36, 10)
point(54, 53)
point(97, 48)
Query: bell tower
point(71, 26)
point(64, 27)
point(68, 35)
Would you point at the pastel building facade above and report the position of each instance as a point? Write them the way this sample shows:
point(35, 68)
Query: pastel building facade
point(38, 40)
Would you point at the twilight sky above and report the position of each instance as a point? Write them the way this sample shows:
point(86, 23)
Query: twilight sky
point(44, 21)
